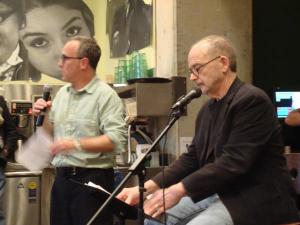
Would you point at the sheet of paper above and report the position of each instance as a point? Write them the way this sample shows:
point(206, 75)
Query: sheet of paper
point(35, 153)
point(91, 184)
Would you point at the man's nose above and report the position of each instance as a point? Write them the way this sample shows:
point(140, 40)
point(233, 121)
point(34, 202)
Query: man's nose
point(60, 63)
point(193, 77)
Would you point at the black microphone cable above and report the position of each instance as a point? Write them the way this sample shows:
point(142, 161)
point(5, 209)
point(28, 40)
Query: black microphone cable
point(163, 168)
point(181, 102)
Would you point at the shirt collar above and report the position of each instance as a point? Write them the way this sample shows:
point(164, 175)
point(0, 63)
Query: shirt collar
point(89, 88)
point(13, 60)
point(237, 83)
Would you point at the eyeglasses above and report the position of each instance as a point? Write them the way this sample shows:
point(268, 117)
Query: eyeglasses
point(195, 69)
point(63, 57)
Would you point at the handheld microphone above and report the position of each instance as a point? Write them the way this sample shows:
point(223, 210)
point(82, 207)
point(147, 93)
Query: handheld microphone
point(46, 96)
point(183, 101)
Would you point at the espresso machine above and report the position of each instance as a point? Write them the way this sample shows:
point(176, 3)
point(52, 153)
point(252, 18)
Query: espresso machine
point(21, 112)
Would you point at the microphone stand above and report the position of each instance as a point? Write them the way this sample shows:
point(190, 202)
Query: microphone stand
point(138, 168)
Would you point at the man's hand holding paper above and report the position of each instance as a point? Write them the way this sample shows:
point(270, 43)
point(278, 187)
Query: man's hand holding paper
point(35, 154)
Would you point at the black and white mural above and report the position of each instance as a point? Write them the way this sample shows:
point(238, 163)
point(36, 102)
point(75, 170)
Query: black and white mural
point(129, 26)
point(33, 32)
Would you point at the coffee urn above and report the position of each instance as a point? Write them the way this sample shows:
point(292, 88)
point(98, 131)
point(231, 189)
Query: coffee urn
point(21, 112)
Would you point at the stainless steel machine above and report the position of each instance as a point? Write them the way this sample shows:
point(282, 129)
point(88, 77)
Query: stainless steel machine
point(21, 112)
point(22, 200)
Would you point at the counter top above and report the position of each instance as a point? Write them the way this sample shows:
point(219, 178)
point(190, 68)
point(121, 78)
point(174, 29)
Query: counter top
point(12, 166)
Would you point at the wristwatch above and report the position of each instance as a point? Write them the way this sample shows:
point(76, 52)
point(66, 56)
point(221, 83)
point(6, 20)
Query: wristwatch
point(78, 145)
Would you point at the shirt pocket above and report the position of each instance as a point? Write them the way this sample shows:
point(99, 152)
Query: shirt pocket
point(80, 126)
point(86, 127)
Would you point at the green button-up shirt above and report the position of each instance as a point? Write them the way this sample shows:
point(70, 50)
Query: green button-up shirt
point(92, 111)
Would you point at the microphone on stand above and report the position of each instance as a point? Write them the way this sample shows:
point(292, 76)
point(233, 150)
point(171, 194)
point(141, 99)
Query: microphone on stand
point(46, 96)
point(183, 101)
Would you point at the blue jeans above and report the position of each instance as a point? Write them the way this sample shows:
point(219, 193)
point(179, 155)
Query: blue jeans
point(2, 185)
point(210, 211)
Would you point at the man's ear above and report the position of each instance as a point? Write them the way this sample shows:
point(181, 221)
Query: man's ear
point(84, 63)
point(225, 63)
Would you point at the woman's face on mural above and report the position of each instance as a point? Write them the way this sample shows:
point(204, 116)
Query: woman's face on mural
point(47, 30)
point(9, 28)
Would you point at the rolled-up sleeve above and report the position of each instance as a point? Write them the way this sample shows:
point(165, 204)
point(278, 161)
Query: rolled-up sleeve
point(112, 120)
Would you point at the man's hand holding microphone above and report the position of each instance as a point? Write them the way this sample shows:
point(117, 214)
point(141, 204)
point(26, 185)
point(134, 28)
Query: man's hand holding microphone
point(40, 108)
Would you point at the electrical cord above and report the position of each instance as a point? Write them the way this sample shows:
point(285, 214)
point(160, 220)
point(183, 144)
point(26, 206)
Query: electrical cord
point(163, 169)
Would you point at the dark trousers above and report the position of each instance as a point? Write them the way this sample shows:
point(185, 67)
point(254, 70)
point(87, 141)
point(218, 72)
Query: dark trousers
point(74, 204)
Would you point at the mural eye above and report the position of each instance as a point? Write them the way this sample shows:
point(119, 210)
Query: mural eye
point(39, 42)
point(73, 31)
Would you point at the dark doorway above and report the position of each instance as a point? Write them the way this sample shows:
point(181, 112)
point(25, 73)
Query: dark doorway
point(276, 44)
point(276, 48)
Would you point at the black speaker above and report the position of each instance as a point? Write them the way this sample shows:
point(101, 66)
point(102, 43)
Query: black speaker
point(178, 89)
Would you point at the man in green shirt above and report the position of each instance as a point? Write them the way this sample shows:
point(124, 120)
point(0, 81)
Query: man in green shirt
point(87, 123)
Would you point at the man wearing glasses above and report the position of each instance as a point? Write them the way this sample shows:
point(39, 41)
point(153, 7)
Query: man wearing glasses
point(234, 170)
point(87, 122)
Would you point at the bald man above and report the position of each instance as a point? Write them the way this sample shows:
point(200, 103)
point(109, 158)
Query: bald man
point(234, 171)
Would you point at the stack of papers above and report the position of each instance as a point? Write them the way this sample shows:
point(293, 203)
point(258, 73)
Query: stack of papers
point(35, 154)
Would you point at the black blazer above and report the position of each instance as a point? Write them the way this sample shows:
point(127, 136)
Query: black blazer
point(8, 132)
point(237, 153)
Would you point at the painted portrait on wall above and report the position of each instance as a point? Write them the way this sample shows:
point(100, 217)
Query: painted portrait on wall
point(44, 40)
point(14, 63)
point(33, 32)
point(129, 26)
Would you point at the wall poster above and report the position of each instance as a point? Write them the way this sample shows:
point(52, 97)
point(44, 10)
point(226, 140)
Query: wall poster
point(33, 32)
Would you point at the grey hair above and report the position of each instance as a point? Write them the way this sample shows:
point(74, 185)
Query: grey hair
point(220, 45)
